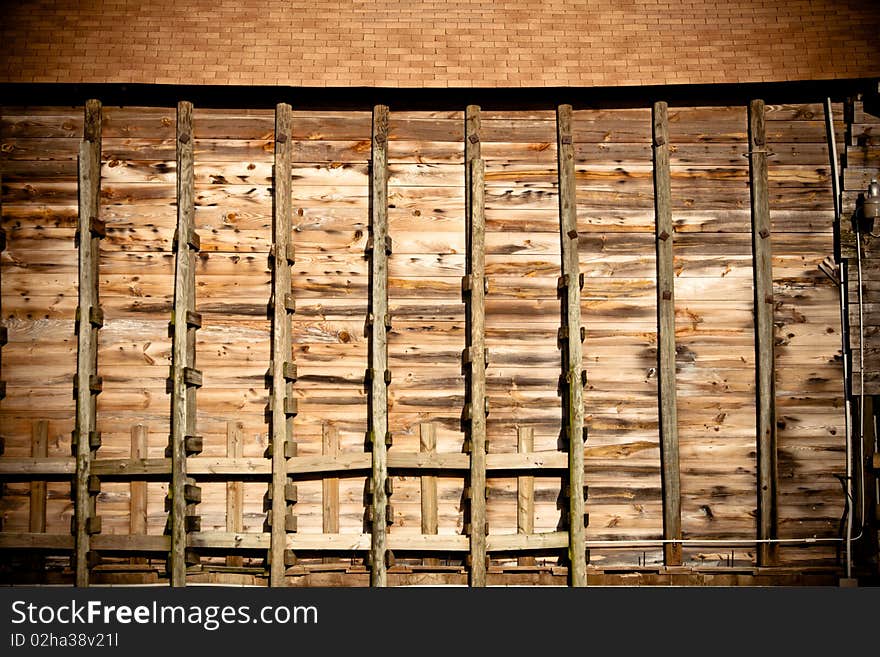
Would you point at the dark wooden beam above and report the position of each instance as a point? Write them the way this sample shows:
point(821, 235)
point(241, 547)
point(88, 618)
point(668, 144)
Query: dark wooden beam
point(573, 398)
point(39, 450)
point(89, 235)
point(476, 404)
point(668, 406)
point(4, 332)
point(282, 410)
point(183, 400)
point(37, 506)
point(378, 346)
point(764, 361)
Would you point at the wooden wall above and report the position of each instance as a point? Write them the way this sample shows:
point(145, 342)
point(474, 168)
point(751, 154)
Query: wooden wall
point(861, 158)
point(714, 326)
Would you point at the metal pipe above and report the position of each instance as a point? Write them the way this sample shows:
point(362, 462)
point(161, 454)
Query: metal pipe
point(844, 329)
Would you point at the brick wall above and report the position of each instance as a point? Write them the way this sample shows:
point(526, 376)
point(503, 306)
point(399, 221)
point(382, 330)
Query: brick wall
point(432, 43)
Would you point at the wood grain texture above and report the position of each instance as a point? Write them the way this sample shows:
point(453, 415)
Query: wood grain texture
point(572, 357)
point(525, 493)
point(234, 489)
point(330, 201)
point(428, 487)
point(330, 485)
point(666, 348)
point(183, 352)
point(282, 388)
point(138, 508)
point(378, 355)
point(764, 370)
point(87, 332)
point(39, 450)
point(475, 344)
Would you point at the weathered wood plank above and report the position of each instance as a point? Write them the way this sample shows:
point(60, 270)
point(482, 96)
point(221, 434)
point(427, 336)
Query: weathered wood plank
point(525, 492)
point(132, 543)
point(572, 358)
point(330, 485)
point(52, 466)
point(667, 406)
point(428, 486)
point(378, 351)
point(514, 542)
point(282, 422)
point(138, 489)
point(4, 332)
point(36, 541)
point(764, 334)
point(138, 501)
point(89, 229)
point(183, 350)
point(361, 542)
point(39, 450)
point(234, 489)
point(716, 359)
point(475, 344)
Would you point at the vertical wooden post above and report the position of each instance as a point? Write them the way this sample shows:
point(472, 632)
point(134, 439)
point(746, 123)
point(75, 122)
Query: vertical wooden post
point(870, 465)
point(138, 489)
point(39, 450)
point(475, 360)
point(525, 492)
point(4, 333)
point(668, 406)
point(184, 377)
point(571, 337)
point(37, 507)
point(283, 403)
point(234, 489)
point(764, 362)
point(90, 230)
point(330, 485)
point(430, 524)
point(381, 243)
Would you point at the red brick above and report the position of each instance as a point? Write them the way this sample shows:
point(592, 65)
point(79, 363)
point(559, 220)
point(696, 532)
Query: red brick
point(415, 43)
